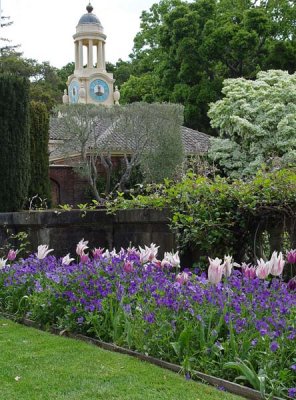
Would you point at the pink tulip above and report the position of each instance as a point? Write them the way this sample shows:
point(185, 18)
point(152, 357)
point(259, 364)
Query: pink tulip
point(277, 264)
point(128, 266)
point(11, 256)
point(84, 258)
point(249, 272)
point(182, 277)
point(291, 256)
point(215, 270)
point(97, 253)
point(263, 269)
point(81, 246)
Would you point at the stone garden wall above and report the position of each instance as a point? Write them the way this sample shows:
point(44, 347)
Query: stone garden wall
point(62, 230)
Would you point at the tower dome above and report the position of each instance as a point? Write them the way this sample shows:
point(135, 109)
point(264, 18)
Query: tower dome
point(89, 18)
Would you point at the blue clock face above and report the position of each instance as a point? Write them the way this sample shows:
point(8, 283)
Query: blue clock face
point(99, 90)
point(74, 92)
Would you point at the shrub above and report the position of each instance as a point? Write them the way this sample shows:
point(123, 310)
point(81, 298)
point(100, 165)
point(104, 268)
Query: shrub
point(222, 216)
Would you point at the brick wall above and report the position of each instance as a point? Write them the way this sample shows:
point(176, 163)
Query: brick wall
point(67, 187)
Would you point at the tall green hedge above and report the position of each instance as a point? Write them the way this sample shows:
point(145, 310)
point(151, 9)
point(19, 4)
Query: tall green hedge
point(14, 142)
point(39, 128)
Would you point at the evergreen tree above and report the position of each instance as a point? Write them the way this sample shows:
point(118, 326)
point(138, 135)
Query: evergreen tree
point(39, 128)
point(14, 142)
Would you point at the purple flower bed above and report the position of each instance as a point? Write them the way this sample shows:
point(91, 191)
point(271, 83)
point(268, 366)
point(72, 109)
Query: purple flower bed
point(241, 326)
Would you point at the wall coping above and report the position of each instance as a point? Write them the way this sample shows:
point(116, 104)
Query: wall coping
point(78, 217)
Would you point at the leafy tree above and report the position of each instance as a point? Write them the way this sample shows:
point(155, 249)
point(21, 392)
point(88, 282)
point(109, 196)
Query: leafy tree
point(186, 50)
point(14, 142)
point(45, 83)
point(13, 63)
point(140, 88)
point(122, 71)
point(39, 128)
point(257, 123)
point(64, 73)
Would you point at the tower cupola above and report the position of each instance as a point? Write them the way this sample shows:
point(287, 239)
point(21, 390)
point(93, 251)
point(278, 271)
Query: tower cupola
point(90, 83)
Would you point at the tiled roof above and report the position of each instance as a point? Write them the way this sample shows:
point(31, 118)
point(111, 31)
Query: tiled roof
point(194, 142)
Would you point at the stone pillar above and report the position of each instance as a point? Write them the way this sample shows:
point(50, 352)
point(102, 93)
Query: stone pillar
point(76, 55)
point(90, 62)
point(104, 59)
point(100, 55)
point(80, 55)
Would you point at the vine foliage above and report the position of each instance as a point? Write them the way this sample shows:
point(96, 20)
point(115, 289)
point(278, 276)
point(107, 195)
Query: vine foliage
point(219, 216)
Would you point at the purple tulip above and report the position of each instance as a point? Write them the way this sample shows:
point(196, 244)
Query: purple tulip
point(292, 284)
point(291, 256)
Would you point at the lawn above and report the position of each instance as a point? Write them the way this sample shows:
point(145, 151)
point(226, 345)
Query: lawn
point(38, 365)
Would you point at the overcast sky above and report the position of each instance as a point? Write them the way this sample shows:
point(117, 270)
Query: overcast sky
point(44, 28)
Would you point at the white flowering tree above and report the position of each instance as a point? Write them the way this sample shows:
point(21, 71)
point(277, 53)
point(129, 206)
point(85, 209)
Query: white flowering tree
point(256, 121)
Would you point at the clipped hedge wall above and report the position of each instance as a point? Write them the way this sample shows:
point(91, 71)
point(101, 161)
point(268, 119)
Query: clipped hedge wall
point(39, 135)
point(14, 142)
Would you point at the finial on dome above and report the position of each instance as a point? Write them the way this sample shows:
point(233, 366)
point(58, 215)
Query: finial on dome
point(89, 8)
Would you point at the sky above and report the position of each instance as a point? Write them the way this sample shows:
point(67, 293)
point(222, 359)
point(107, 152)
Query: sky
point(44, 28)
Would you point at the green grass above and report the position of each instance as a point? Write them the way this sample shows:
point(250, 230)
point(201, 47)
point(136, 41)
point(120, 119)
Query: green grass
point(57, 368)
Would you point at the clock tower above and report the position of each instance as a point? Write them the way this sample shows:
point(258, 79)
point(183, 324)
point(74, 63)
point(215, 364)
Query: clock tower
point(90, 83)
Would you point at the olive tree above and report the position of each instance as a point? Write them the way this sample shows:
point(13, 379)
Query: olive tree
point(144, 136)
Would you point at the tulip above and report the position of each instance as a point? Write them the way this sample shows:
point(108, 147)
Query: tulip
point(97, 253)
point(67, 260)
point(144, 255)
point(106, 254)
point(292, 284)
point(11, 256)
point(182, 277)
point(149, 253)
point(228, 264)
point(249, 272)
point(128, 266)
point(153, 251)
point(263, 269)
point(171, 260)
point(81, 246)
point(215, 270)
point(277, 263)
point(42, 251)
point(84, 258)
point(2, 262)
point(291, 256)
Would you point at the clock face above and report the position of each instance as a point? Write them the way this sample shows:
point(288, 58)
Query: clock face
point(74, 92)
point(99, 90)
